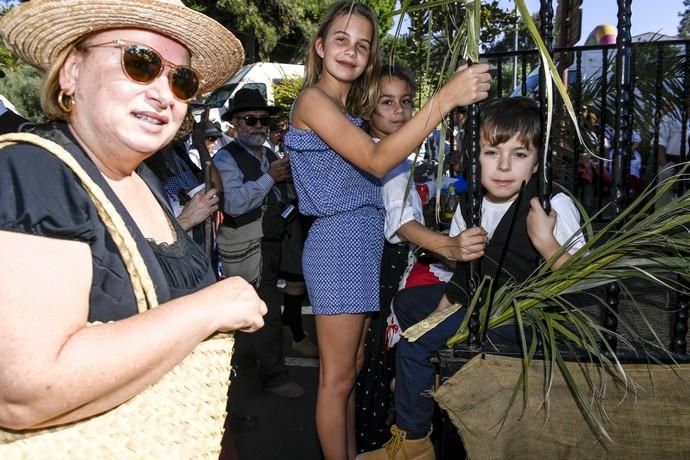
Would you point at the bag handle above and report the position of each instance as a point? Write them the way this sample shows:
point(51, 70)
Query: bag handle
point(144, 290)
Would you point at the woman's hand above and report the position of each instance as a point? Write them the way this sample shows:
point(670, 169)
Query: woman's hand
point(202, 205)
point(236, 305)
point(467, 86)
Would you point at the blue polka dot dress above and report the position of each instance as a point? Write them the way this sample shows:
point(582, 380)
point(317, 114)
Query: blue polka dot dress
point(342, 253)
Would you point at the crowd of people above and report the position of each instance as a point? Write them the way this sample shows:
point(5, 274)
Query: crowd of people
point(239, 228)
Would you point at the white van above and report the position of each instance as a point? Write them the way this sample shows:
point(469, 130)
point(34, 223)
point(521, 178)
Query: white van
point(591, 65)
point(260, 75)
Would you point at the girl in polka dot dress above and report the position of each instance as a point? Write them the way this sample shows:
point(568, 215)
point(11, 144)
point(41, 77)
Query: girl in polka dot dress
point(336, 169)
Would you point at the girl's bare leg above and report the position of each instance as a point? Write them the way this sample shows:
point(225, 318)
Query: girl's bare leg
point(351, 402)
point(339, 338)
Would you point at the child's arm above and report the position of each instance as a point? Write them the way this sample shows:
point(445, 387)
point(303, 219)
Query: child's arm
point(468, 245)
point(540, 228)
point(315, 110)
point(472, 242)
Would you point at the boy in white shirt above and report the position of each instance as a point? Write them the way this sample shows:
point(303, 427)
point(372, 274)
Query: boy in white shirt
point(509, 138)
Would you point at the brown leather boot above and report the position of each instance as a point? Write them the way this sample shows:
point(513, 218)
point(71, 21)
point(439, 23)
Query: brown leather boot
point(400, 448)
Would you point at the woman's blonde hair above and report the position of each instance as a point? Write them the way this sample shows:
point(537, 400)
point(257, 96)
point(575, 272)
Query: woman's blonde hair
point(361, 100)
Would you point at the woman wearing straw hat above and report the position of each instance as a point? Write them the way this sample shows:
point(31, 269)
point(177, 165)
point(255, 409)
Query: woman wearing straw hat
point(119, 77)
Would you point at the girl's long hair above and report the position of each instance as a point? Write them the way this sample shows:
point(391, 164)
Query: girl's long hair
point(361, 100)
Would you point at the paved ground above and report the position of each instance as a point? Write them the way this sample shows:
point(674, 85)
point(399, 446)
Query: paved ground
point(285, 427)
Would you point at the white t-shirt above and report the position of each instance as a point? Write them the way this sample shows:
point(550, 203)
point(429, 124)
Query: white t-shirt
point(567, 220)
point(670, 133)
point(400, 211)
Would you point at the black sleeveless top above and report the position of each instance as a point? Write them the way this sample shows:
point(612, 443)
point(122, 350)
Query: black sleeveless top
point(521, 258)
point(39, 195)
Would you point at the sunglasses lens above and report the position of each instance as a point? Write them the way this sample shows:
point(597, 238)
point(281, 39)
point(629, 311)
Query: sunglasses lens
point(251, 120)
point(141, 64)
point(184, 82)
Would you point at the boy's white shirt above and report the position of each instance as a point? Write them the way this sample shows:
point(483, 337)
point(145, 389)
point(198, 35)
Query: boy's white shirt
point(567, 220)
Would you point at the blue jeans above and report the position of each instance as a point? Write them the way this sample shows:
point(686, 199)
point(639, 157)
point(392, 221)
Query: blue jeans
point(414, 375)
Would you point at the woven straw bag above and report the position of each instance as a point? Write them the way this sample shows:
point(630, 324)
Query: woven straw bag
point(180, 417)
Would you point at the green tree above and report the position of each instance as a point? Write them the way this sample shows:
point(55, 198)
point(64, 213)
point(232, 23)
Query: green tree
point(684, 26)
point(21, 87)
point(21, 83)
point(285, 93)
point(278, 30)
point(432, 29)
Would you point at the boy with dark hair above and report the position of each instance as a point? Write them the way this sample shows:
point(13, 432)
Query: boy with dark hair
point(509, 138)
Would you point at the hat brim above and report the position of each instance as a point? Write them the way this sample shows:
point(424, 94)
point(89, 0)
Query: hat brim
point(39, 30)
point(272, 110)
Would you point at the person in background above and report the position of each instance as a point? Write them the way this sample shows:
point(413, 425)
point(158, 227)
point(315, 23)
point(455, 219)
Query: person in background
point(10, 120)
point(255, 185)
point(670, 142)
point(336, 167)
point(277, 132)
point(294, 290)
point(510, 132)
point(635, 158)
point(117, 88)
point(405, 236)
point(212, 136)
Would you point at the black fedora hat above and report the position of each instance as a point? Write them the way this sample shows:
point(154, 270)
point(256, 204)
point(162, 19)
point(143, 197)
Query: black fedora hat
point(247, 99)
point(211, 130)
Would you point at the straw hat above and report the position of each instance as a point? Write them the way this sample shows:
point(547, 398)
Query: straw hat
point(39, 30)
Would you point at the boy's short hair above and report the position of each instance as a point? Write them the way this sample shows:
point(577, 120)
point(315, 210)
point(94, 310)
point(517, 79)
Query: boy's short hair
point(392, 70)
point(501, 119)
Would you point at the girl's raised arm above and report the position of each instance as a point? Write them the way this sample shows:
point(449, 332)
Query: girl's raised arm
point(317, 112)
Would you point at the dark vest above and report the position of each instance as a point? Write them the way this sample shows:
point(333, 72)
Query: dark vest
point(273, 225)
point(521, 258)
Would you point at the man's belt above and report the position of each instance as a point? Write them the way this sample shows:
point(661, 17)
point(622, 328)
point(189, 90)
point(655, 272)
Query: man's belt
point(243, 219)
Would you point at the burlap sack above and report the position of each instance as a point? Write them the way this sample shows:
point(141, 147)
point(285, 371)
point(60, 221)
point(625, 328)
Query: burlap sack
point(651, 423)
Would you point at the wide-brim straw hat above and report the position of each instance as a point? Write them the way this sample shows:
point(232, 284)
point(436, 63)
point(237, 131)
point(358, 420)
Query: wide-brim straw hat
point(39, 30)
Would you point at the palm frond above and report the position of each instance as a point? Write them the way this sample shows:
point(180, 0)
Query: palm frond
point(642, 243)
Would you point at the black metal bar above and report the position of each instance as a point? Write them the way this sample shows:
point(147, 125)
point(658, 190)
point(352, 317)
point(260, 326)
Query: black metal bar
point(523, 63)
point(577, 181)
point(505, 54)
point(630, 124)
point(545, 173)
point(680, 321)
point(679, 332)
point(658, 91)
point(623, 101)
point(684, 108)
point(602, 125)
point(475, 193)
point(621, 147)
point(499, 78)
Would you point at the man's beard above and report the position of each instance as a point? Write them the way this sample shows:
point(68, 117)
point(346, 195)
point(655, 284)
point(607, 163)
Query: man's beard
point(254, 139)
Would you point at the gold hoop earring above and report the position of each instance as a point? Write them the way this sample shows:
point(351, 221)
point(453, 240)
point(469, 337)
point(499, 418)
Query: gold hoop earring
point(67, 105)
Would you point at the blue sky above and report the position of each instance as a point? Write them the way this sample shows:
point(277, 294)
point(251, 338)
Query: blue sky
point(647, 15)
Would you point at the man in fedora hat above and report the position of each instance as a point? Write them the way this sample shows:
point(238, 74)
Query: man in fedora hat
point(249, 239)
